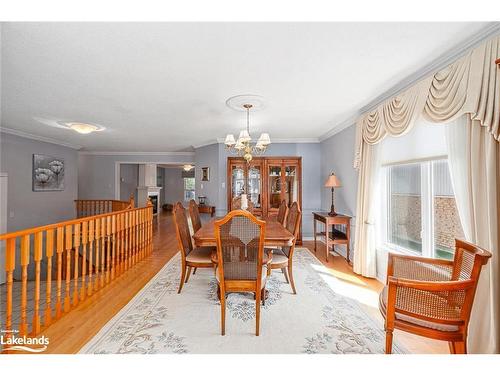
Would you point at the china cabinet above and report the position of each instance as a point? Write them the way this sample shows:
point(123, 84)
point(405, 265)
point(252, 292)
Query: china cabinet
point(267, 181)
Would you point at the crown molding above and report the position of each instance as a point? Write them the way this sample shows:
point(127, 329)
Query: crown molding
point(440, 62)
point(40, 138)
point(138, 153)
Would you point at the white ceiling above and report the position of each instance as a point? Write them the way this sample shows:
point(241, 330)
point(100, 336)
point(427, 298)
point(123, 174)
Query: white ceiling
point(163, 86)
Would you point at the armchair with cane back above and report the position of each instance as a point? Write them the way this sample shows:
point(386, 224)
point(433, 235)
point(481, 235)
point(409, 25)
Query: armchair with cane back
point(192, 257)
point(240, 266)
point(432, 297)
point(283, 256)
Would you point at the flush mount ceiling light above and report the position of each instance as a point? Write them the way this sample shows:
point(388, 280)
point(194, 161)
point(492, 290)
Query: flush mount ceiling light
point(188, 167)
point(83, 128)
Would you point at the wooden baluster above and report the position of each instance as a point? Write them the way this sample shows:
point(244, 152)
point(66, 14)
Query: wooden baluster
point(108, 248)
point(37, 256)
point(91, 268)
point(122, 242)
point(103, 250)
point(25, 259)
point(143, 234)
point(59, 250)
point(132, 238)
point(113, 246)
point(69, 246)
point(127, 240)
point(49, 252)
point(137, 237)
point(118, 246)
point(10, 265)
point(84, 240)
point(150, 221)
point(76, 249)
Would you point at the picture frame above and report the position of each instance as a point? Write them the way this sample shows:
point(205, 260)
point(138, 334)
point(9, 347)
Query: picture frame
point(205, 174)
point(47, 173)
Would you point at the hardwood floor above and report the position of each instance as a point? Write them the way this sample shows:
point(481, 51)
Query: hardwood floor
point(73, 330)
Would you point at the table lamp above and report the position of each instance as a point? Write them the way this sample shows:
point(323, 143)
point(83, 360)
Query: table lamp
point(333, 182)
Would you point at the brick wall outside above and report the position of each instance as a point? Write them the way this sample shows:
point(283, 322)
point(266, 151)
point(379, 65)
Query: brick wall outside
point(407, 219)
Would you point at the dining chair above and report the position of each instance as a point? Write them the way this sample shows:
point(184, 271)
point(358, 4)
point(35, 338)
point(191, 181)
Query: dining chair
point(191, 257)
point(283, 256)
point(432, 297)
point(282, 211)
point(194, 213)
point(240, 267)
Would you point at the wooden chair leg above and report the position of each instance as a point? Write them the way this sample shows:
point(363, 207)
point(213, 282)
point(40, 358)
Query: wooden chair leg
point(223, 313)
point(388, 342)
point(290, 276)
point(194, 270)
point(460, 347)
point(263, 296)
point(183, 276)
point(451, 344)
point(286, 274)
point(188, 273)
point(257, 314)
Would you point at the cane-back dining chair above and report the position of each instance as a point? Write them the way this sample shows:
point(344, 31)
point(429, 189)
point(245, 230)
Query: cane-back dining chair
point(282, 211)
point(194, 213)
point(432, 297)
point(191, 257)
point(240, 266)
point(283, 255)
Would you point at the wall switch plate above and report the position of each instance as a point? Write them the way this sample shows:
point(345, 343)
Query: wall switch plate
point(201, 186)
point(223, 185)
point(11, 214)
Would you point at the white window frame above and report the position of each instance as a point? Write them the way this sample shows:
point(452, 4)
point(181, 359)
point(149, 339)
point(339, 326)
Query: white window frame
point(427, 207)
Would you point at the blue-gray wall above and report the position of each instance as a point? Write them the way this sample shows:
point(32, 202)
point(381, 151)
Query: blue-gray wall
point(26, 208)
point(97, 172)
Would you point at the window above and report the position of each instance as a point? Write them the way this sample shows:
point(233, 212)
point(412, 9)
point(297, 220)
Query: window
point(189, 188)
point(419, 209)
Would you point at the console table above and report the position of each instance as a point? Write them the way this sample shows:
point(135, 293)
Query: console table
point(335, 236)
point(204, 209)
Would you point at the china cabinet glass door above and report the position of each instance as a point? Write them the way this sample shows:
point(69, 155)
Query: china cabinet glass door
point(254, 185)
point(291, 187)
point(237, 180)
point(275, 186)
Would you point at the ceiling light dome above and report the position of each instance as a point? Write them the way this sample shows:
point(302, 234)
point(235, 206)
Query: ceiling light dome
point(81, 127)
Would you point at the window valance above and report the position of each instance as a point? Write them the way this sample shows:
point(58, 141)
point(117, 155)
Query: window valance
point(469, 85)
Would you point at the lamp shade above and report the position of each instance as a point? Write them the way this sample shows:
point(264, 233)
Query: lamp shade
point(229, 140)
point(244, 136)
point(265, 139)
point(332, 181)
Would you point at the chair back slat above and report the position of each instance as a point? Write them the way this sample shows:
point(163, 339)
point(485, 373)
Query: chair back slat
point(240, 246)
point(194, 213)
point(282, 212)
point(182, 229)
point(292, 225)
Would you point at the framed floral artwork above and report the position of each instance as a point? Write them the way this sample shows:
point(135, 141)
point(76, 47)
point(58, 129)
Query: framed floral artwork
point(48, 173)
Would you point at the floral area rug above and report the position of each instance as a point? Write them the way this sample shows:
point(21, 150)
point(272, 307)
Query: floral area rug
point(318, 319)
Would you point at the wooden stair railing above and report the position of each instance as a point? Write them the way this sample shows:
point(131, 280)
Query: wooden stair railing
point(92, 207)
point(79, 257)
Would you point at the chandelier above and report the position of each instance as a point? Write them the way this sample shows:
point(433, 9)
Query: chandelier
point(244, 147)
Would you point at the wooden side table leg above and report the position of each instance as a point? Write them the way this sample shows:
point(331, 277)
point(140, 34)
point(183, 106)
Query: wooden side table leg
point(327, 241)
point(348, 236)
point(314, 231)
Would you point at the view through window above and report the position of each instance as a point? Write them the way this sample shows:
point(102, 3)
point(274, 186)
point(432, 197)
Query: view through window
point(422, 215)
point(189, 184)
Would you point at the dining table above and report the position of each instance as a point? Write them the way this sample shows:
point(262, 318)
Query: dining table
point(276, 234)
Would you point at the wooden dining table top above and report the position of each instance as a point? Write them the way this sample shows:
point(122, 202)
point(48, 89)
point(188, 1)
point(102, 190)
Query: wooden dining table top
point(276, 234)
